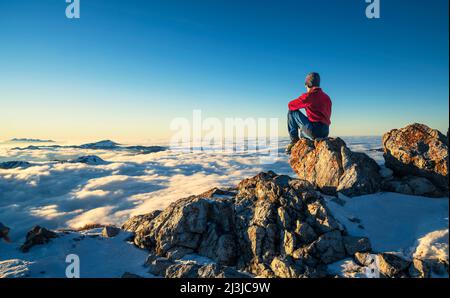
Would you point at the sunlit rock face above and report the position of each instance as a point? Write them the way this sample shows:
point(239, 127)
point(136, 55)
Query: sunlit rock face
point(332, 167)
point(269, 225)
point(420, 151)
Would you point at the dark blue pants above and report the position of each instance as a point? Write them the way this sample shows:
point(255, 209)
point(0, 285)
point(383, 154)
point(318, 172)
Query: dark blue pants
point(298, 121)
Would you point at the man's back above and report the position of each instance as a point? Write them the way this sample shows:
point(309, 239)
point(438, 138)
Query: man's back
point(317, 105)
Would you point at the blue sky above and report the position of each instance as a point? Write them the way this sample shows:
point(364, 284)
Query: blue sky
point(125, 69)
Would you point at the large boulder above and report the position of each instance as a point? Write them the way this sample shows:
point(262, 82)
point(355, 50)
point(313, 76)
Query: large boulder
point(37, 235)
point(110, 231)
point(391, 265)
point(412, 185)
point(270, 225)
point(332, 167)
point(418, 150)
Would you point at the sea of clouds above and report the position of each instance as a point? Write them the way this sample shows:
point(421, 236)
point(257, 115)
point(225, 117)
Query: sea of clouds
point(71, 195)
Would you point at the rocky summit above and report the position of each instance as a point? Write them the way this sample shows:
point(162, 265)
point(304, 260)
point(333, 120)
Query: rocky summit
point(418, 150)
point(269, 225)
point(332, 167)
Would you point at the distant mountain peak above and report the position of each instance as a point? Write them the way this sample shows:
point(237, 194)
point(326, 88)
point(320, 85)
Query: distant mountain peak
point(100, 144)
point(14, 164)
point(89, 159)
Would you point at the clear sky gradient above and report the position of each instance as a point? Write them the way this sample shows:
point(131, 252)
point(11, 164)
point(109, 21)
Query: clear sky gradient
point(125, 69)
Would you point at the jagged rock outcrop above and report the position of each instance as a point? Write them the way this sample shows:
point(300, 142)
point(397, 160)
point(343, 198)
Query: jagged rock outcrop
point(417, 150)
point(391, 265)
point(140, 225)
point(332, 167)
point(110, 231)
point(159, 265)
point(37, 235)
point(270, 225)
point(411, 185)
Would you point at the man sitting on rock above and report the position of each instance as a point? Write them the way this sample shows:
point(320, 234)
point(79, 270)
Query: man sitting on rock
point(318, 110)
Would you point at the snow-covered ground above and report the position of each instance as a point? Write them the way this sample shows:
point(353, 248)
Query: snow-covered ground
point(71, 195)
point(98, 256)
point(410, 226)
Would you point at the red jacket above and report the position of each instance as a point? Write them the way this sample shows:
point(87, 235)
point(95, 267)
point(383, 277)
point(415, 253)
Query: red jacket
point(316, 103)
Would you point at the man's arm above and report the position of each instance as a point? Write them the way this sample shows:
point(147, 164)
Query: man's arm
point(299, 103)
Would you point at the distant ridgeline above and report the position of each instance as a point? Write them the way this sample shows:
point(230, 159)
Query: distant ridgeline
point(101, 145)
point(27, 140)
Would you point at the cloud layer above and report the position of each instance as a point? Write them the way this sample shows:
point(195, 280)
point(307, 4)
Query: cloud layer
point(61, 195)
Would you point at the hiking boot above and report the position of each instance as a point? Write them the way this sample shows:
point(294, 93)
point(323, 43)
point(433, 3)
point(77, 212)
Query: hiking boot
point(320, 139)
point(290, 146)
